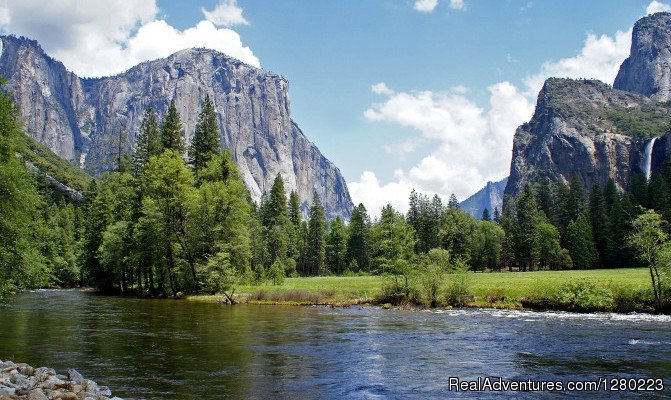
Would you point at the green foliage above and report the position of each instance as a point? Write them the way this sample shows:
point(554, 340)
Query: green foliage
point(578, 296)
point(653, 245)
point(581, 243)
point(358, 241)
point(435, 265)
point(148, 141)
point(336, 247)
point(171, 130)
point(484, 245)
point(317, 237)
point(646, 122)
point(459, 285)
point(276, 273)
point(205, 142)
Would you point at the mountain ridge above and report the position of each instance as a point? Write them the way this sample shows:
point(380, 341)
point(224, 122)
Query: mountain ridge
point(82, 119)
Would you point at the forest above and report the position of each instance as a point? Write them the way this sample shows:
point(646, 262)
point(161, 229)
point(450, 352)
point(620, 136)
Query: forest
point(172, 220)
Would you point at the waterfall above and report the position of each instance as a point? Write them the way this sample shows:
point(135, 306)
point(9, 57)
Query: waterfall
point(647, 161)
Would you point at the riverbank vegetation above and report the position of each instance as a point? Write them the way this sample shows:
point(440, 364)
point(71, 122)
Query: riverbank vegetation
point(619, 290)
point(171, 221)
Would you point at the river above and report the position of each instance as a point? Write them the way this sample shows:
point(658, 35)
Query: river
point(169, 349)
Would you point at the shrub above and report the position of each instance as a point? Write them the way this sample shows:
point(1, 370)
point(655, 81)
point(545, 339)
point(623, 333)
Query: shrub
point(579, 296)
point(276, 273)
point(458, 289)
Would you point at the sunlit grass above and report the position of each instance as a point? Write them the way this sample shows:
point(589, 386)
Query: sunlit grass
point(500, 289)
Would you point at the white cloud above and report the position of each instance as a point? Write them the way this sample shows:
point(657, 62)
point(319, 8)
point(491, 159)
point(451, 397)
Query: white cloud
point(473, 145)
point(381, 88)
point(656, 6)
point(599, 58)
point(426, 6)
point(458, 5)
point(104, 37)
point(367, 190)
point(226, 13)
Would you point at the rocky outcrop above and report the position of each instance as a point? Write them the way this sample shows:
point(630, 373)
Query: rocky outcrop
point(490, 197)
point(83, 120)
point(588, 128)
point(647, 71)
point(23, 382)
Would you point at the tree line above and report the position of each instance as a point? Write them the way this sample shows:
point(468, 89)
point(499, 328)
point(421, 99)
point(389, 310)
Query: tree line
point(172, 220)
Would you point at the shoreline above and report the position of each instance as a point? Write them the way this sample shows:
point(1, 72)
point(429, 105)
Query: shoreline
point(20, 381)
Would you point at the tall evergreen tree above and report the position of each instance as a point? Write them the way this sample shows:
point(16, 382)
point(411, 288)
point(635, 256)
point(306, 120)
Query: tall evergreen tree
point(485, 215)
point(336, 247)
point(599, 221)
point(294, 209)
point(171, 130)
point(358, 241)
point(206, 142)
point(148, 141)
point(525, 233)
point(581, 242)
point(317, 237)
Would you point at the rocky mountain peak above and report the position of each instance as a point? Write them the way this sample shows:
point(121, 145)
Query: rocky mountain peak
point(82, 120)
point(647, 71)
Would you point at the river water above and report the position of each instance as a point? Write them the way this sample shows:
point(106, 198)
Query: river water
point(166, 349)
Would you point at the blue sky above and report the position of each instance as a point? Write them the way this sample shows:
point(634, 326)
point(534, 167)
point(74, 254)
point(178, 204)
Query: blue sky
point(398, 94)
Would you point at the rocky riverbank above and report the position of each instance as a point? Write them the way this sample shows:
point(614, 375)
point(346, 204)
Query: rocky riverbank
point(21, 381)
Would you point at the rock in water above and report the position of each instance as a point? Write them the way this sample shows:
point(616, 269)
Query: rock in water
point(82, 120)
point(647, 71)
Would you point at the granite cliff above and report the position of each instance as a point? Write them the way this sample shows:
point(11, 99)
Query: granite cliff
point(598, 131)
point(82, 119)
point(489, 197)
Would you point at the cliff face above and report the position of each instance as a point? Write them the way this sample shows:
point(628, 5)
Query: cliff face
point(82, 120)
point(587, 128)
point(489, 197)
point(598, 131)
point(647, 71)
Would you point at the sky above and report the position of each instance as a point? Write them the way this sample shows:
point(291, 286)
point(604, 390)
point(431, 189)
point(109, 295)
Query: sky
point(399, 94)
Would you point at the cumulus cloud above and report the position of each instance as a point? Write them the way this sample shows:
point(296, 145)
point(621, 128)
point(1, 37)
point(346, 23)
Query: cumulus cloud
point(104, 37)
point(656, 6)
point(599, 58)
point(473, 145)
point(368, 191)
point(226, 13)
point(426, 6)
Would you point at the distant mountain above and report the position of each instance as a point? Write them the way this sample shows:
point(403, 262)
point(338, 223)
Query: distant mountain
point(597, 131)
point(82, 120)
point(489, 197)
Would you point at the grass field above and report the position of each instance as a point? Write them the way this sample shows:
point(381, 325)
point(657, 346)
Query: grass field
point(504, 289)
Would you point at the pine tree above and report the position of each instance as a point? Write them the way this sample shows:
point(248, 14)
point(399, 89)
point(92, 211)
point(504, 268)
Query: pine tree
point(581, 242)
point(148, 141)
point(497, 215)
point(358, 251)
point(294, 209)
point(317, 237)
point(485, 215)
point(639, 189)
point(336, 247)
point(171, 130)
point(599, 221)
point(453, 203)
point(205, 142)
point(525, 232)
